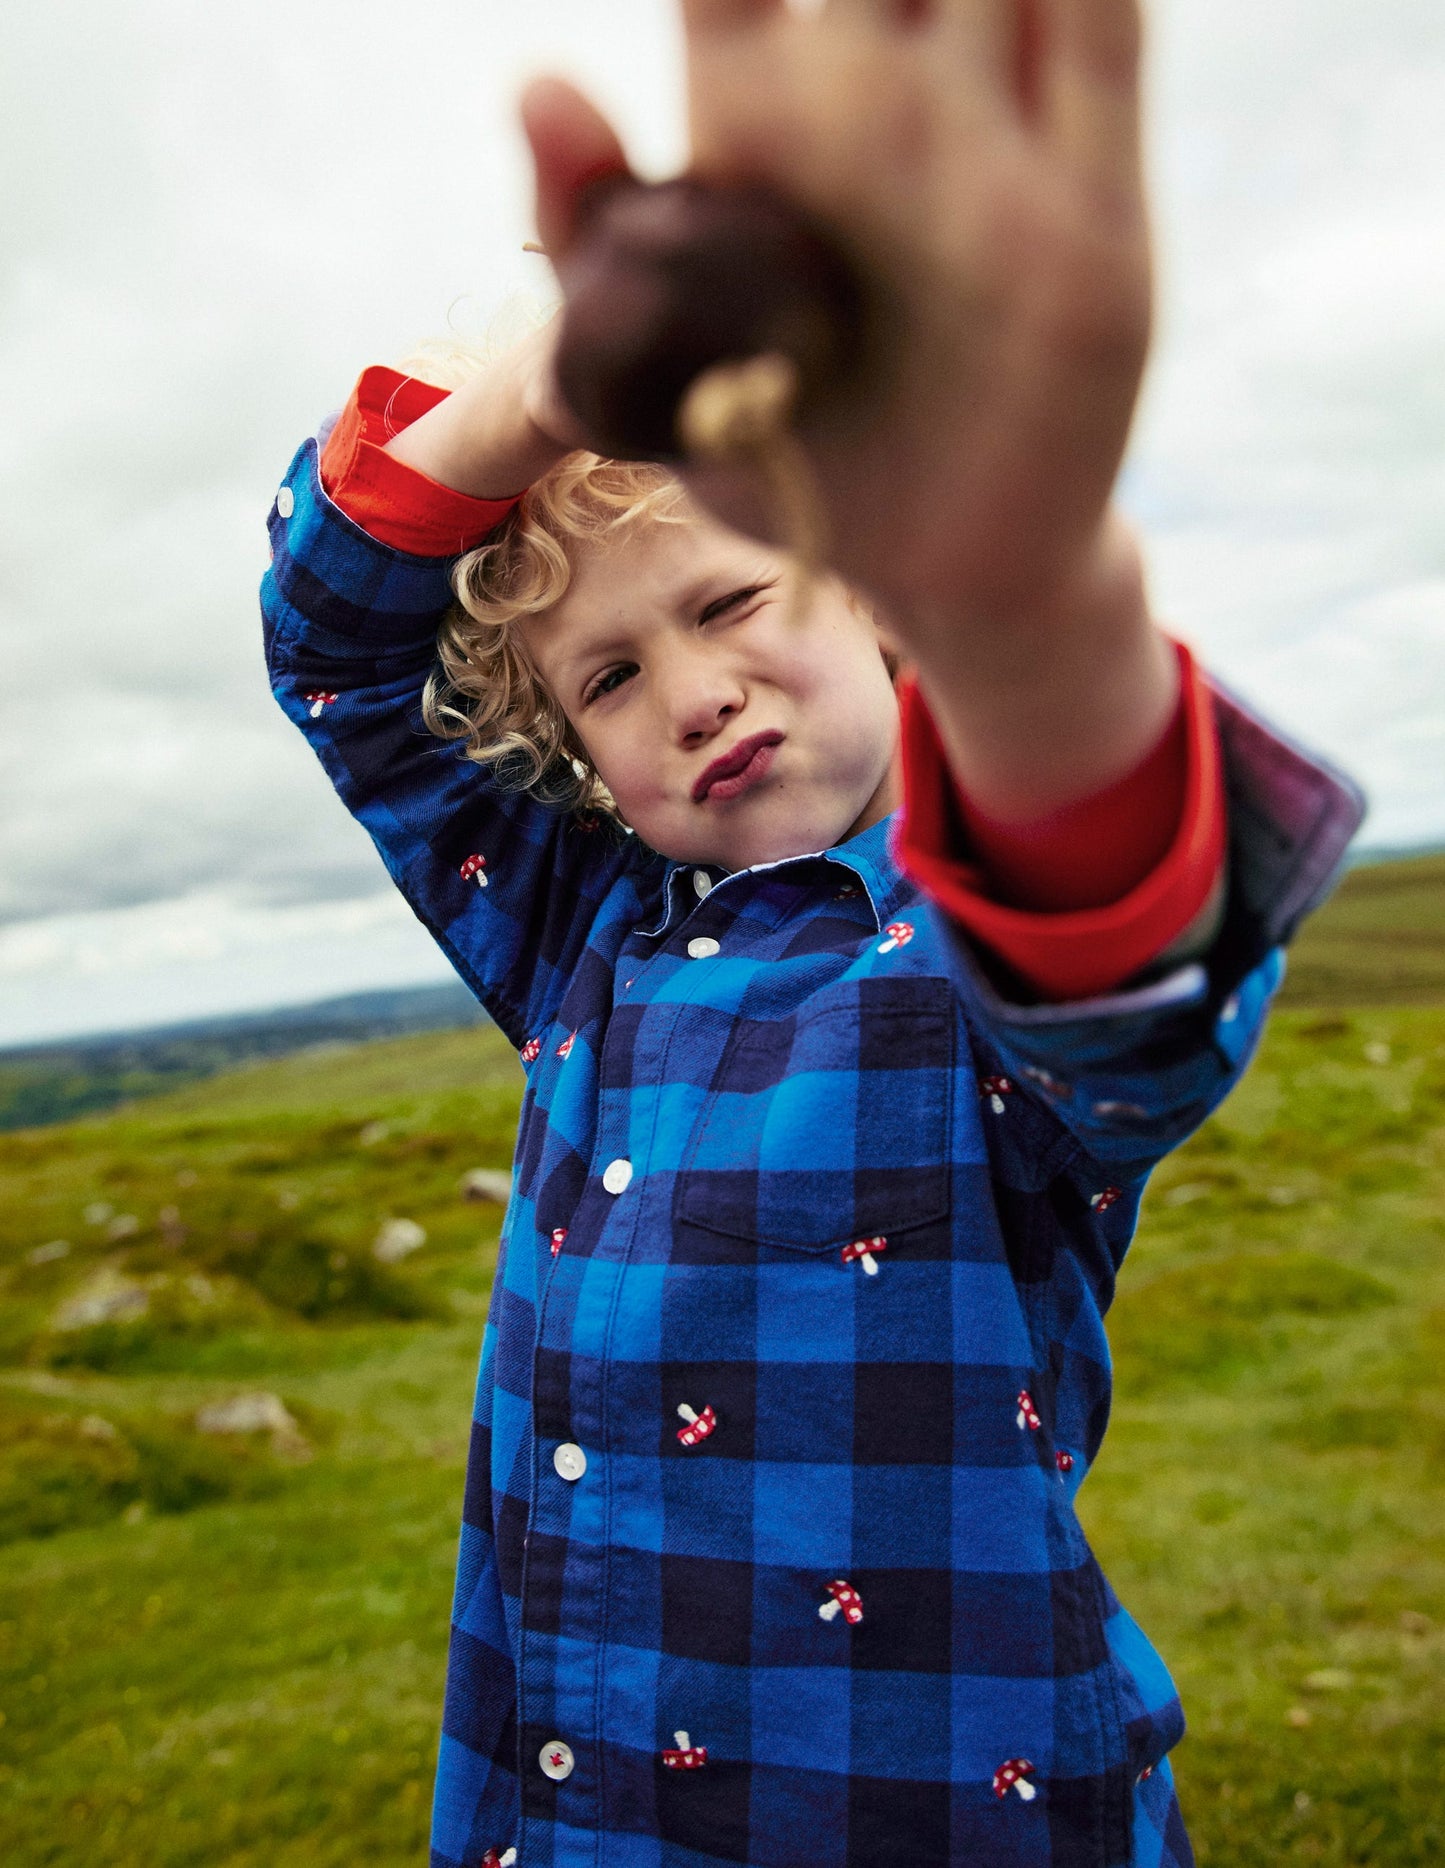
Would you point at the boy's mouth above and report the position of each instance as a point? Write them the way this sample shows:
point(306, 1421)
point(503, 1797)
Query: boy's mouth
point(743, 765)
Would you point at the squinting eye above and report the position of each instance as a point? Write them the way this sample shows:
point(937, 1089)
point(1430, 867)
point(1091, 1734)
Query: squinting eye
point(733, 602)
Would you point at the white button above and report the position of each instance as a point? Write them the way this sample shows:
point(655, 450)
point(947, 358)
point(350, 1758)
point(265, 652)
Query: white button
point(702, 882)
point(556, 1760)
point(570, 1461)
point(703, 948)
point(285, 502)
point(617, 1176)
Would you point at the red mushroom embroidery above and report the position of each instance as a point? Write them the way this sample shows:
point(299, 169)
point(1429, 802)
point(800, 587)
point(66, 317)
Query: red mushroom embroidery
point(899, 934)
point(1064, 1461)
point(1028, 1415)
point(319, 702)
point(865, 1250)
point(559, 1233)
point(1110, 1196)
point(687, 1757)
point(475, 867)
point(531, 1050)
point(1148, 1771)
point(845, 1601)
point(564, 1049)
point(698, 1427)
point(995, 1089)
point(1014, 1776)
point(493, 1860)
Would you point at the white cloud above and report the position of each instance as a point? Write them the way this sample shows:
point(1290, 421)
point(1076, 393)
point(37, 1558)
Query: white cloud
point(165, 962)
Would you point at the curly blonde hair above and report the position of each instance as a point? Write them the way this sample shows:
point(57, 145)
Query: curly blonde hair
point(486, 690)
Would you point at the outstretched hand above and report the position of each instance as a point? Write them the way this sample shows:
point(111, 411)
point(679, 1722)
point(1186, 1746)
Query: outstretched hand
point(980, 163)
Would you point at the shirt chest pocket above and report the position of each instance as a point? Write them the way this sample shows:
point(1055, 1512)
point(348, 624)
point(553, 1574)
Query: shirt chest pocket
point(829, 1125)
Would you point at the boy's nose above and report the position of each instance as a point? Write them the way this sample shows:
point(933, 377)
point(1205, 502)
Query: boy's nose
point(703, 701)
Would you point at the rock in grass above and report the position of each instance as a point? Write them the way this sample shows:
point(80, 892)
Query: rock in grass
point(109, 1297)
point(398, 1238)
point(253, 1413)
point(492, 1184)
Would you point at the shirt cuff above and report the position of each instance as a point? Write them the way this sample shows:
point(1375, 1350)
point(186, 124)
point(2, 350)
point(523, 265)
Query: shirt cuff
point(392, 502)
point(1074, 952)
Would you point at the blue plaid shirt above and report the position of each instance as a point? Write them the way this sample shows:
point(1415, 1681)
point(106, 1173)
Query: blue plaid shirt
point(796, 1358)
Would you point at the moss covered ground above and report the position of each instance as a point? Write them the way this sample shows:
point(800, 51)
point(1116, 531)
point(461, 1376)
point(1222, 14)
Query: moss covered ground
point(228, 1649)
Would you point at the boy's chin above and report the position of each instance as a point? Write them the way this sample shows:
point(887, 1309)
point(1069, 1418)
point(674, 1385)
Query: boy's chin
point(774, 838)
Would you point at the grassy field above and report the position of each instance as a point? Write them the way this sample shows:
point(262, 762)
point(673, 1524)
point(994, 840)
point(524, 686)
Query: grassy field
point(227, 1649)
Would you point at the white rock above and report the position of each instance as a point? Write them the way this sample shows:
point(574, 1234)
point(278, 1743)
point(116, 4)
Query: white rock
point(48, 1253)
point(253, 1413)
point(97, 1213)
point(398, 1238)
point(108, 1298)
point(494, 1184)
point(97, 1427)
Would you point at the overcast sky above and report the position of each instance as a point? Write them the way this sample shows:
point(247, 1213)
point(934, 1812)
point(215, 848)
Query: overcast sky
point(214, 217)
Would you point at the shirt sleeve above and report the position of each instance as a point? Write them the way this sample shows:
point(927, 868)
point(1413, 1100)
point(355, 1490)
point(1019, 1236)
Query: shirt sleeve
point(1109, 1083)
point(1085, 899)
point(392, 502)
point(509, 888)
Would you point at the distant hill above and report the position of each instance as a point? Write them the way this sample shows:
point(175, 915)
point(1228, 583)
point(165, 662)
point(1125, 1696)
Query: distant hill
point(54, 1082)
point(1379, 940)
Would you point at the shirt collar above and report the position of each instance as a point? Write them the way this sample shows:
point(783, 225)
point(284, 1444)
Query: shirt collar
point(868, 857)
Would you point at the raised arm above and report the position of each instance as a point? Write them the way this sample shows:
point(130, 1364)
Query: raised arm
point(359, 581)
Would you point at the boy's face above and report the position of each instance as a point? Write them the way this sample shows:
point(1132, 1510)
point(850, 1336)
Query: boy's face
point(725, 733)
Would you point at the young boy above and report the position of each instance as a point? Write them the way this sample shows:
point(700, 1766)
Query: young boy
point(836, 1120)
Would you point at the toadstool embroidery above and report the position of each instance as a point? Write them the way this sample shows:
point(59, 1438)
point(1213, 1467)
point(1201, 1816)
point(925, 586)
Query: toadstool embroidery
point(564, 1049)
point(493, 1860)
point(531, 1050)
point(1064, 1461)
point(474, 868)
point(995, 1089)
point(1014, 1776)
point(865, 1250)
point(559, 1233)
point(687, 1757)
point(1148, 1771)
point(899, 934)
point(698, 1427)
point(1109, 1196)
point(846, 1602)
point(1028, 1415)
point(319, 702)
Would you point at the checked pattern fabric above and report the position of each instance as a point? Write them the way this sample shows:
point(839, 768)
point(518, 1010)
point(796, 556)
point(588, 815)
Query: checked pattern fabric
point(795, 1360)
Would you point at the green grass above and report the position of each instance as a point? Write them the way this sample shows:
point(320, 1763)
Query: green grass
point(1379, 940)
point(229, 1652)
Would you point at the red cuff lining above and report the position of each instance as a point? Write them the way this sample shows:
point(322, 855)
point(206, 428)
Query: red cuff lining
point(391, 501)
point(1085, 947)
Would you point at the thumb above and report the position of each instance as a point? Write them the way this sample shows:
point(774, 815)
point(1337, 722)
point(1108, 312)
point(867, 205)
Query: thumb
point(573, 147)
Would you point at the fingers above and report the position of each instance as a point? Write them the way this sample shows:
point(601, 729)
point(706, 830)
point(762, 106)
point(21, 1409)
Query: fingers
point(1091, 86)
point(720, 15)
point(573, 147)
point(982, 31)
